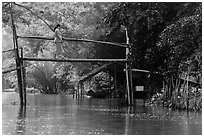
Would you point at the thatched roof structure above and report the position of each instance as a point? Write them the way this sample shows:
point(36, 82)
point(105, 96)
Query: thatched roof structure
point(94, 72)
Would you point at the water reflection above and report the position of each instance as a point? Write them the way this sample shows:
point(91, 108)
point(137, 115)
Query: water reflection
point(127, 119)
point(21, 121)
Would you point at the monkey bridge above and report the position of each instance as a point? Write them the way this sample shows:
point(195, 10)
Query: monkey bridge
point(20, 59)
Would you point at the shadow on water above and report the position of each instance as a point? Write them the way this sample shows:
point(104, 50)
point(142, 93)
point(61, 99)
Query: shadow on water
point(21, 121)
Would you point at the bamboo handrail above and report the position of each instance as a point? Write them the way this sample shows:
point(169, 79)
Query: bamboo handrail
point(74, 39)
point(8, 50)
point(75, 60)
point(140, 70)
point(7, 71)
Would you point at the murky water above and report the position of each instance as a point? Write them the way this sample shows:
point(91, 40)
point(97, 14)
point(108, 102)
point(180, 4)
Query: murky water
point(61, 114)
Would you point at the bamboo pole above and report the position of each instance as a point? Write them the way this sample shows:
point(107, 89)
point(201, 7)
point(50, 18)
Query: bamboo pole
point(131, 85)
point(7, 71)
point(187, 90)
point(127, 84)
point(79, 93)
point(81, 85)
point(8, 50)
point(127, 70)
point(18, 64)
point(140, 70)
point(75, 60)
point(115, 79)
point(130, 73)
point(164, 92)
point(78, 88)
point(75, 39)
point(73, 93)
point(109, 86)
point(23, 71)
point(82, 90)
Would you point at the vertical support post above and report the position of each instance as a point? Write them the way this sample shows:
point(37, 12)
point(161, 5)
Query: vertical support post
point(18, 64)
point(23, 71)
point(127, 76)
point(73, 92)
point(187, 90)
point(109, 87)
point(83, 90)
point(130, 72)
point(115, 80)
point(78, 94)
point(163, 92)
point(77, 91)
point(128, 68)
point(81, 85)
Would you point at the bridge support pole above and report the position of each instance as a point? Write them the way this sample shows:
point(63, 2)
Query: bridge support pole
point(115, 81)
point(17, 58)
point(129, 84)
point(83, 90)
point(23, 71)
point(77, 91)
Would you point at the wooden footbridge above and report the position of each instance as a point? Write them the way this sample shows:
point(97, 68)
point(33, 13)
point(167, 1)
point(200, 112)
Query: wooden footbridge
point(21, 70)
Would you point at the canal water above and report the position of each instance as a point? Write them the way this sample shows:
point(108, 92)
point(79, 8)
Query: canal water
point(61, 115)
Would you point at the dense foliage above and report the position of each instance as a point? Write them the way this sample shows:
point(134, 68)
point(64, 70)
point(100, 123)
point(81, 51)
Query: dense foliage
point(166, 38)
point(158, 28)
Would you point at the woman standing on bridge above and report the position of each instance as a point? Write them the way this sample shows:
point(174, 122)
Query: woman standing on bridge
point(58, 40)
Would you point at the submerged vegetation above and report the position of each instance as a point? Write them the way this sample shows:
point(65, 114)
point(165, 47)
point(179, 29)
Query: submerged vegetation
point(166, 40)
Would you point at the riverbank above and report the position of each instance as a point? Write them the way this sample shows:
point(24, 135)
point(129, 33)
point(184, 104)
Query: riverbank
point(192, 102)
